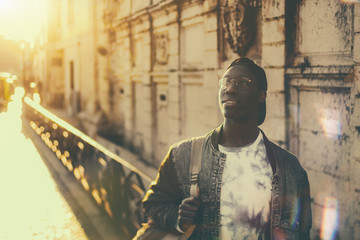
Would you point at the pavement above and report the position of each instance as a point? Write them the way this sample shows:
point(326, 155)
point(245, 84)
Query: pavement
point(39, 198)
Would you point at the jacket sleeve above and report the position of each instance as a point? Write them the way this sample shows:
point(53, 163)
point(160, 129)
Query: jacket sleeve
point(161, 202)
point(306, 217)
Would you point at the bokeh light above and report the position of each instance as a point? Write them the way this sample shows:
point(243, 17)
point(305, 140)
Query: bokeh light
point(330, 221)
point(330, 120)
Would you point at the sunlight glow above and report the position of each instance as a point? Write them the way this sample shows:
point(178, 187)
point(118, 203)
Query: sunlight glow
point(21, 19)
point(31, 205)
point(350, 1)
point(330, 219)
point(330, 121)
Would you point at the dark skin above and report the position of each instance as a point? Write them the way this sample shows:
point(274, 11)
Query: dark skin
point(239, 108)
point(240, 118)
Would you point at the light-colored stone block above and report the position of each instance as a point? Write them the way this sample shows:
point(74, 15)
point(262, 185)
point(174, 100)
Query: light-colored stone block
point(173, 94)
point(276, 79)
point(273, 31)
point(321, 21)
point(357, 48)
point(173, 47)
point(211, 22)
point(191, 11)
point(273, 8)
point(210, 41)
point(211, 57)
point(273, 55)
point(324, 112)
point(174, 110)
point(125, 9)
point(173, 63)
point(211, 121)
point(174, 122)
point(315, 147)
point(210, 98)
point(173, 31)
point(210, 80)
point(275, 104)
point(173, 79)
point(192, 51)
point(354, 121)
point(137, 5)
point(356, 18)
point(146, 93)
point(274, 128)
point(209, 4)
point(159, 18)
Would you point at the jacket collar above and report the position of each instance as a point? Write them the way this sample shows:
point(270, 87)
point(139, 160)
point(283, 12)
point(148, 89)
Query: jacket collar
point(215, 135)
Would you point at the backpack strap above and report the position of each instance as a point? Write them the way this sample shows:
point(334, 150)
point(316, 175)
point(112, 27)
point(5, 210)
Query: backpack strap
point(197, 146)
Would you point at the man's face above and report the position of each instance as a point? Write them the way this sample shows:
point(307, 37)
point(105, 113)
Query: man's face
point(239, 94)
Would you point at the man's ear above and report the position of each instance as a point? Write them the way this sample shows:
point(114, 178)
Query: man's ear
point(262, 96)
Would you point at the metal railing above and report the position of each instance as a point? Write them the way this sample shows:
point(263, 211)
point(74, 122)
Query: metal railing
point(116, 185)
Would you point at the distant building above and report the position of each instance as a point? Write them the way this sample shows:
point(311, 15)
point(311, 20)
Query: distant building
point(11, 57)
point(72, 61)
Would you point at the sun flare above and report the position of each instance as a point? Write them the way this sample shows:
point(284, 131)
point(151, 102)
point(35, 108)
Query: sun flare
point(21, 19)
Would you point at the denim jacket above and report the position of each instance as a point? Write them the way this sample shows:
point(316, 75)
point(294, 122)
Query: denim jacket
point(290, 198)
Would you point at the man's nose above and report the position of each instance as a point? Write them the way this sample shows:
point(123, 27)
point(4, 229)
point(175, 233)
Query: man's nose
point(232, 88)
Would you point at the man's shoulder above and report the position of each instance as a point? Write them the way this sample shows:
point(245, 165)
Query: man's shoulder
point(186, 143)
point(285, 158)
point(282, 152)
point(181, 144)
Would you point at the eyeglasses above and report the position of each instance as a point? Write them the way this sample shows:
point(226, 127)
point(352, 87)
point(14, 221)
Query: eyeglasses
point(240, 83)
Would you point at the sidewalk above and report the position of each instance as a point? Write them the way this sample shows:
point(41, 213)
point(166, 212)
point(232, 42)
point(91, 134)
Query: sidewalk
point(39, 198)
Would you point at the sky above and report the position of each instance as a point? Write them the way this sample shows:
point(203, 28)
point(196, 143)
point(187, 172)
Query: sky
point(21, 19)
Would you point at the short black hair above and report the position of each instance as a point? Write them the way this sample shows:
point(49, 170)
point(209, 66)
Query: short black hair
point(261, 76)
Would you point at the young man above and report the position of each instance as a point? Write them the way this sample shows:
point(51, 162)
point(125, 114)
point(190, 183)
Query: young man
point(249, 188)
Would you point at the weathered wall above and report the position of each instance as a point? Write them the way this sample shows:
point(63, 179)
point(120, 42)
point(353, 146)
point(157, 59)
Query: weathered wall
point(73, 59)
point(158, 88)
point(321, 94)
point(167, 59)
point(354, 126)
point(273, 61)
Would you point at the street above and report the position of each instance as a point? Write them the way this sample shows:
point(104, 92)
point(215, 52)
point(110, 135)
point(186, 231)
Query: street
point(36, 194)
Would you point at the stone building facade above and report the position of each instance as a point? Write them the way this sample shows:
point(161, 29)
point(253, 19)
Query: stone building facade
point(73, 56)
point(151, 67)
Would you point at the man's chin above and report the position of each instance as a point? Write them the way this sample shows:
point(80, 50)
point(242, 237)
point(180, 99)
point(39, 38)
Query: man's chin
point(236, 117)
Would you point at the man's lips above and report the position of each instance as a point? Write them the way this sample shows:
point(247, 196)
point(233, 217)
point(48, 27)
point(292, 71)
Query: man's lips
point(230, 102)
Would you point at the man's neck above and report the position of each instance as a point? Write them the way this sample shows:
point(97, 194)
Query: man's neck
point(237, 134)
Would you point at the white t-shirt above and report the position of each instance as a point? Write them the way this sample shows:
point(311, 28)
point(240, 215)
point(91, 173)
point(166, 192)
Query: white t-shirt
point(245, 191)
